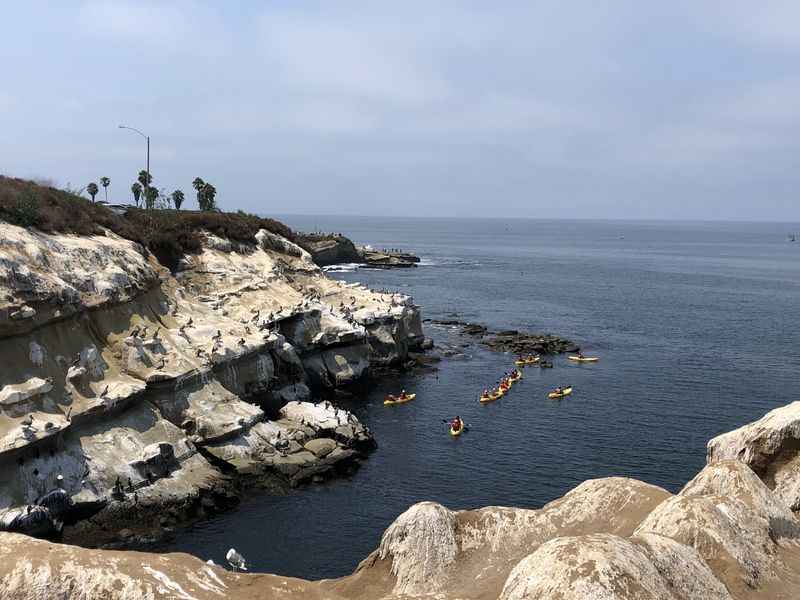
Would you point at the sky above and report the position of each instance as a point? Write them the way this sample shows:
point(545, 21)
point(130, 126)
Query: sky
point(687, 109)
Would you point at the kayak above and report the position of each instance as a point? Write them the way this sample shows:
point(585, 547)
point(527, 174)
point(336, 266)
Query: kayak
point(584, 359)
point(533, 360)
point(521, 363)
point(491, 397)
point(455, 432)
point(564, 392)
point(398, 400)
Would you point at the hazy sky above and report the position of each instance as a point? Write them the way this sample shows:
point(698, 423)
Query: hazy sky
point(616, 109)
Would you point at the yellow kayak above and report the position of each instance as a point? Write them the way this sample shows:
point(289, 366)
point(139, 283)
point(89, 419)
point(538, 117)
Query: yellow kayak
point(398, 400)
point(533, 360)
point(491, 397)
point(520, 363)
point(564, 392)
point(584, 358)
point(455, 432)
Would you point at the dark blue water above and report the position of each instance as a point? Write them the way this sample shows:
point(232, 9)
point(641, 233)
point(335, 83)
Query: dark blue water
point(695, 324)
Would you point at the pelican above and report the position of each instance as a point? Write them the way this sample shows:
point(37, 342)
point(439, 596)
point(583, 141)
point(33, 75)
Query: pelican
point(236, 560)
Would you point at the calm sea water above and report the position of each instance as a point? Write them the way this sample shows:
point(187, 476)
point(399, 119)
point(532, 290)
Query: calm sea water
point(695, 324)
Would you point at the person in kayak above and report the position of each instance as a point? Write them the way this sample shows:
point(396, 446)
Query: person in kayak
point(557, 391)
point(403, 395)
point(580, 354)
point(456, 424)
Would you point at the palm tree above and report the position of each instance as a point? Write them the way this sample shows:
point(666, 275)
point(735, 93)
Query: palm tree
point(145, 179)
point(209, 193)
point(177, 199)
point(136, 188)
point(150, 197)
point(199, 184)
point(92, 189)
point(105, 182)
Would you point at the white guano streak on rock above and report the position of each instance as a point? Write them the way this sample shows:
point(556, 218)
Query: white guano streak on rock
point(168, 584)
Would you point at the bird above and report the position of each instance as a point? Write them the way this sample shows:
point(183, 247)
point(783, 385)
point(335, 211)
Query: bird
point(242, 342)
point(236, 560)
point(199, 352)
point(247, 330)
point(190, 322)
point(217, 335)
point(161, 363)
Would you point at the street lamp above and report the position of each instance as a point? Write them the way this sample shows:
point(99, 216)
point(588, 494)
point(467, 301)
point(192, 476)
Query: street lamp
point(147, 137)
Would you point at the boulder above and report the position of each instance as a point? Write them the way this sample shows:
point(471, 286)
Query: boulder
point(321, 447)
point(769, 446)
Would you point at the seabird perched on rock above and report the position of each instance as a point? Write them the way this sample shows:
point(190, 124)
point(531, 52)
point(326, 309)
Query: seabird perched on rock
point(217, 335)
point(242, 341)
point(247, 330)
point(162, 363)
point(236, 560)
point(200, 352)
point(190, 322)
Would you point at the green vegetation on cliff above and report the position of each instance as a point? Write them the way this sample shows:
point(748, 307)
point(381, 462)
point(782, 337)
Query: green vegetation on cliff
point(168, 234)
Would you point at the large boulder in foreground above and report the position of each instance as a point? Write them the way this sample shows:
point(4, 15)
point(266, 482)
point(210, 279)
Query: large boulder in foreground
point(613, 568)
point(769, 446)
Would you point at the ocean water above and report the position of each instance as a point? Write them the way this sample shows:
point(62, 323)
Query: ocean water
point(695, 324)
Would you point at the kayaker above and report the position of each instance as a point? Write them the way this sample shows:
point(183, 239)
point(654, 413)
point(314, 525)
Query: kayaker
point(580, 354)
point(403, 395)
point(457, 423)
point(558, 390)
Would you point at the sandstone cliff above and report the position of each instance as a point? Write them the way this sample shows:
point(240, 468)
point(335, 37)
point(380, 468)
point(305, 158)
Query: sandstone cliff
point(142, 397)
point(726, 535)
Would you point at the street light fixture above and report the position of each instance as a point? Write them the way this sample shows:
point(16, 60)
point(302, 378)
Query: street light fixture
point(147, 137)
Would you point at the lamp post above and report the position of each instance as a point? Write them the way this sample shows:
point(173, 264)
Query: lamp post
point(147, 137)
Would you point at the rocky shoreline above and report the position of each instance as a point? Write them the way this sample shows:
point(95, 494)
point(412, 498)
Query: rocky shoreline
point(335, 249)
point(142, 398)
point(730, 533)
point(511, 340)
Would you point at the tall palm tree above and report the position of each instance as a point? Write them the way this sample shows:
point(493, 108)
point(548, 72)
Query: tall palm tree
point(105, 182)
point(92, 189)
point(136, 189)
point(177, 199)
point(199, 184)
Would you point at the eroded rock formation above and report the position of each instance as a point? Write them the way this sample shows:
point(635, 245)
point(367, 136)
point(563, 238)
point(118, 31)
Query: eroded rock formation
point(145, 395)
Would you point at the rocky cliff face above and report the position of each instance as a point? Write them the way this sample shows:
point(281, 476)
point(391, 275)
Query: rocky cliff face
point(728, 534)
point(134, 396)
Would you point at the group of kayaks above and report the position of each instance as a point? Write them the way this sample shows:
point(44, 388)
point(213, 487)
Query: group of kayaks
point(502, 389)
point(516, 375)
point(457, 426)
